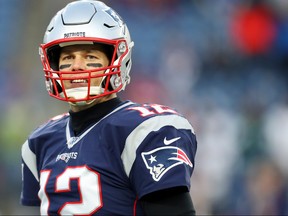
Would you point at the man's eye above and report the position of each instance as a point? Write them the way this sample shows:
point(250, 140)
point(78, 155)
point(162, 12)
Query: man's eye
point(68, 57)
point(91, 57)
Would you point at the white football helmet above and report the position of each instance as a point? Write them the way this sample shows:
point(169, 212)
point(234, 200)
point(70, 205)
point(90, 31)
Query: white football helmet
point(87, 22)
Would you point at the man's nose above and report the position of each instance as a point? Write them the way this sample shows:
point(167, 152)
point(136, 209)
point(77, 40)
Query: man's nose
point(78, 64)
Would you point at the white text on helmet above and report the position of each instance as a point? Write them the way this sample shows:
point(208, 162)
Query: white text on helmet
point(74, 34)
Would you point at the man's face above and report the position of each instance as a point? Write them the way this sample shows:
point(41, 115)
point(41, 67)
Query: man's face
point(80, 58)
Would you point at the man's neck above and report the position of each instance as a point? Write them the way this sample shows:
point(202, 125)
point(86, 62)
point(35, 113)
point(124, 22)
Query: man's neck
point(81, 120)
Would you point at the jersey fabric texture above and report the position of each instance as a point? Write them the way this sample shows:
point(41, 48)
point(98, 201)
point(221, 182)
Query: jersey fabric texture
point(135, 150)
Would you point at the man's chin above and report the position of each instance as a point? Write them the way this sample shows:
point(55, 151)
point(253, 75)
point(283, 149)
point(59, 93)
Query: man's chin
point(80, 103)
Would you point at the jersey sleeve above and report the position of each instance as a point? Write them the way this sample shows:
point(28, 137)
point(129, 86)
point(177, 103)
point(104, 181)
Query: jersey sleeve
point(159, 154)
point(30, 179)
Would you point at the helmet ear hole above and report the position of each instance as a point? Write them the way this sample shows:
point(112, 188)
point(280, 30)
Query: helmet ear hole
point(127, 63)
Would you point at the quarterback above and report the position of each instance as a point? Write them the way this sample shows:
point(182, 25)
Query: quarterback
point(104, 156)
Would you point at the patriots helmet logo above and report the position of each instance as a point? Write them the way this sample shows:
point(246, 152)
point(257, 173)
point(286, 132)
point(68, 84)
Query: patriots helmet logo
point(162, 159)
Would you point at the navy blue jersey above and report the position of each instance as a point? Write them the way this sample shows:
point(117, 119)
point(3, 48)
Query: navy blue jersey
point(133, 151)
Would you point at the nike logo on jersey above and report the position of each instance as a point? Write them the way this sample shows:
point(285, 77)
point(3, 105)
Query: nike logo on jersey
point(170, 141)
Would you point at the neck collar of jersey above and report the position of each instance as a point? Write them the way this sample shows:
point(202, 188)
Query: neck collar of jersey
point(81, 120)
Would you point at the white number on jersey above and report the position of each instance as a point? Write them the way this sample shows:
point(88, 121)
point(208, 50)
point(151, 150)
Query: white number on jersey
point(89, 189)
point(152, 109)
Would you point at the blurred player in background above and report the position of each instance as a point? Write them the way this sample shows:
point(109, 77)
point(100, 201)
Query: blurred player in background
point(105, 156)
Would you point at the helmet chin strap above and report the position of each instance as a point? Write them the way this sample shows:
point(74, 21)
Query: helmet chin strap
point(80, 93)
point(82, 103)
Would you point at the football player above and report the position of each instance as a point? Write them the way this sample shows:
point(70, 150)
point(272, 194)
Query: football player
point(105, 156)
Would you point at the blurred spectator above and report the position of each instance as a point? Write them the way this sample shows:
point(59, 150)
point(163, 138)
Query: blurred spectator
point(218, 154)
point(253, 28)
point(260, 189)
point(145, 89)
point(178, 68)
point(275, 121)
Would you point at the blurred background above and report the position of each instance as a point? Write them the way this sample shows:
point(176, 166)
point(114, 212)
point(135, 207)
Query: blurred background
point(223, 64)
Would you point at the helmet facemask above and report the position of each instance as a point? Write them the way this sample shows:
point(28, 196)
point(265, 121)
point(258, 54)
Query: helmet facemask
point(111, 79)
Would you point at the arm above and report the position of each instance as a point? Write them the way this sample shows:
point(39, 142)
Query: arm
point(30, 180)
point(173, 201)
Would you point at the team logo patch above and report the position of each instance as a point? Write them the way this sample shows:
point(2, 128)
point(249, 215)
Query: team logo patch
point(162, 159)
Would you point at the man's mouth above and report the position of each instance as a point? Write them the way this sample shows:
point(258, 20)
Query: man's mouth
point(76, 83)
point(79, 81)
